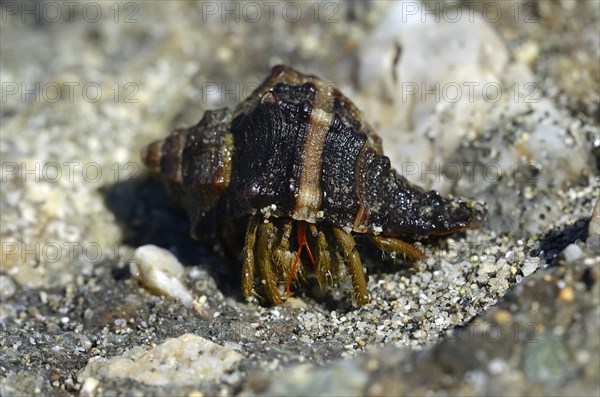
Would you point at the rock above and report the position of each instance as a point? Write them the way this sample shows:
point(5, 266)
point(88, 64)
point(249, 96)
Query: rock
point(7, 287)
point(545, 361)
point(186, 360)
point(420, 76)
point(89, 388)
point(344, 378)
point(572, 253)
point(160, 271)
point(407, 57)
point(530, 266)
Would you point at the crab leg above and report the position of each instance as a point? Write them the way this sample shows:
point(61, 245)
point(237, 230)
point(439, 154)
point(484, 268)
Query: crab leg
point(248, 257)
point(264, 245)
point(393, 245)
point(283, 258)
point(324, 255)
point(357, 274)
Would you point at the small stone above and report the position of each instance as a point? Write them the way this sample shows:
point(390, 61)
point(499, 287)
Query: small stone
point(527, 52)
point(566, 294)
point(160, 272)
point(487, 268)
point(497, 366)
point(88, 314)
point(89, 387)
point(8, 288)
point(572, 253)
point(185, 360)
point(530, 266)
point(503, 316)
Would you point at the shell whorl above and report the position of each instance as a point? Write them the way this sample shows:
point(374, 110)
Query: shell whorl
point(151, 155)
point(195, 164)
point(165, 157)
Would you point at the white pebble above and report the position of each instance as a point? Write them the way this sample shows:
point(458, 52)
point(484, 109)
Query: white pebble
point(572, 253)
point(89, 387)
point(184, 361)
point(7, 287)
point(530, 266)
point(160, 272)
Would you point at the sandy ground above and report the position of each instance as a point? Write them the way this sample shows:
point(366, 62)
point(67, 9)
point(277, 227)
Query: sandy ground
point(510, 308)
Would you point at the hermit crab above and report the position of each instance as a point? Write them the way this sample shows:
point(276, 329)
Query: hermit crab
point(299, 161)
